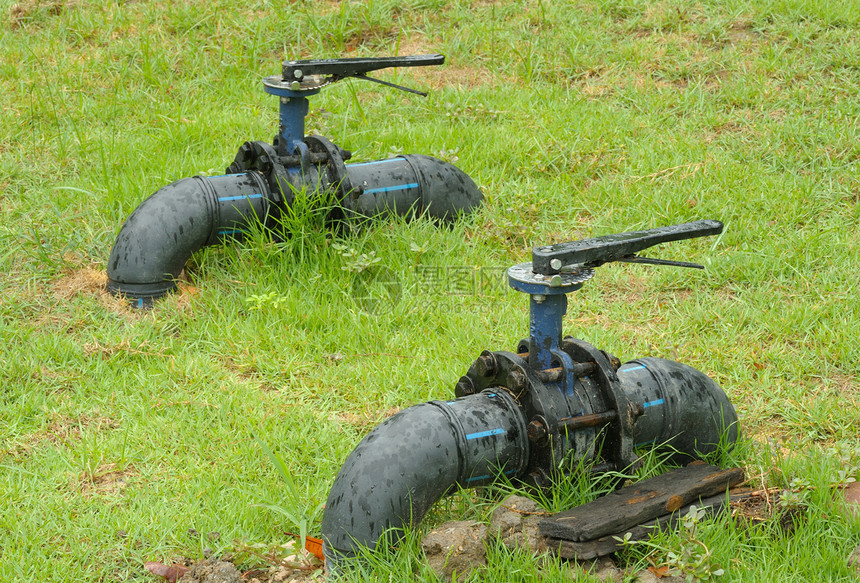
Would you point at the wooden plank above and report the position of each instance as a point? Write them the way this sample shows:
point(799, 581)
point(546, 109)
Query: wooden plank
point(633, 505)
point(606, 545)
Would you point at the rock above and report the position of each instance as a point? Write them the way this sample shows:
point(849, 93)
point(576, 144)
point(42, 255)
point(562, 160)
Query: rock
point(606, 570)
point(851, 492)
point(515, 523)
point(646, 576)
point(212, 571)
point(455, 548)
point(854, 559)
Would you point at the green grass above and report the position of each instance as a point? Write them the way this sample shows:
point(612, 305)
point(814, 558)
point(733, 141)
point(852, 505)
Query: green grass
point(131, 437)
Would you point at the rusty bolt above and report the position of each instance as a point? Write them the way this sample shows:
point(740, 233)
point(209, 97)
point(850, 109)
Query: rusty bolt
point(486, 365)
point(536, 429)
point(464, 387)
point(518, 380)
point(614, 361)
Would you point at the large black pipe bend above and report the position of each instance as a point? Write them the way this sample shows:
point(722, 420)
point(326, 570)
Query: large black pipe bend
point(161, 234)
point(414, 458)
point(684, 409)
point(401, 468)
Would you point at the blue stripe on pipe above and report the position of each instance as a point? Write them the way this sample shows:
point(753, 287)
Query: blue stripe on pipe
point(392, 188)
point(637, 367)
point(226, 175)
point(644, 443)
point(241, 197)
point(488, 433)
point(139, 302)
point(653, 403)
point(375, 162)
point(231, 231)
point(485, 476)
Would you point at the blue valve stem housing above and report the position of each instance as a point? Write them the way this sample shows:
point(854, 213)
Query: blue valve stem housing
point(292, 111)
point(547, 306)
point(546, 313)
point(291, 127)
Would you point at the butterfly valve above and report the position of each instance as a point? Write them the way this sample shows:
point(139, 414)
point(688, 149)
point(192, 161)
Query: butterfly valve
point(533, 415)
point(264, 180)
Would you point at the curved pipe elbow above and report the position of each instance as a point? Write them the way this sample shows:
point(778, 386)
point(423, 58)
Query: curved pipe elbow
point(159, 237)
point(401, 468)
point(684, 409)
point(406, 464)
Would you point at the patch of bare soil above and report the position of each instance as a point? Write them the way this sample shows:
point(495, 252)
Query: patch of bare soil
point(22, 12)
point(107, 480)
point(296, 567)
point(366, 419)
point(456, 548)
point(442, 76)
point(86, 280)
point(766, 508)
point(846, 385)
point(62, 430)
point(92, 281)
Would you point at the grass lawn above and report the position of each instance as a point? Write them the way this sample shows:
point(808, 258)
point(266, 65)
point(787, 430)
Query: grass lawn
point(134, 436)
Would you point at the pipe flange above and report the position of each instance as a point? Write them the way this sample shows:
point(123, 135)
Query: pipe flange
point(508, 372)
point(522, 278)
point(619, 440)
point(338, 175)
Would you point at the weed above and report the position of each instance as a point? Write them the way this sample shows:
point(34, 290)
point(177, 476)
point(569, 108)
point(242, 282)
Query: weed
point(270, 300)
point(297, 507)
point(691, 559)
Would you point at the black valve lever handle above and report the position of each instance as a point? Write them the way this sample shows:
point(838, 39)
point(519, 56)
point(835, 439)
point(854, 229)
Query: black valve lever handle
point(549, 259)
point(340, 68)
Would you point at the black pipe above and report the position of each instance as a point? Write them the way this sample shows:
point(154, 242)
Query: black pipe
point(412, 185)
point(411, 460)
point(401, 468)
point(684, 410)
point(161, 234)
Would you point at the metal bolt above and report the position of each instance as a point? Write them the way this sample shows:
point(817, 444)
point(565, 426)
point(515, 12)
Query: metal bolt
point(538, 298)
point(555, 263)
point(464, 387)
point(285, 100)
point(551, 375)
point(583, 369)
point(518, 380)
point(298, 74)
point(536, 430)
point(555, 281)
point(485, 365)
point(614, 361)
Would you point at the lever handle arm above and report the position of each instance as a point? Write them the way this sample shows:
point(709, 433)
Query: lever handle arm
point(549, 259)
point(355, 67)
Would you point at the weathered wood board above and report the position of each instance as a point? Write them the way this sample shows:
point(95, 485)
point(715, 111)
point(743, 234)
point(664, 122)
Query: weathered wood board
point(634, 505)
point(606, 545)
